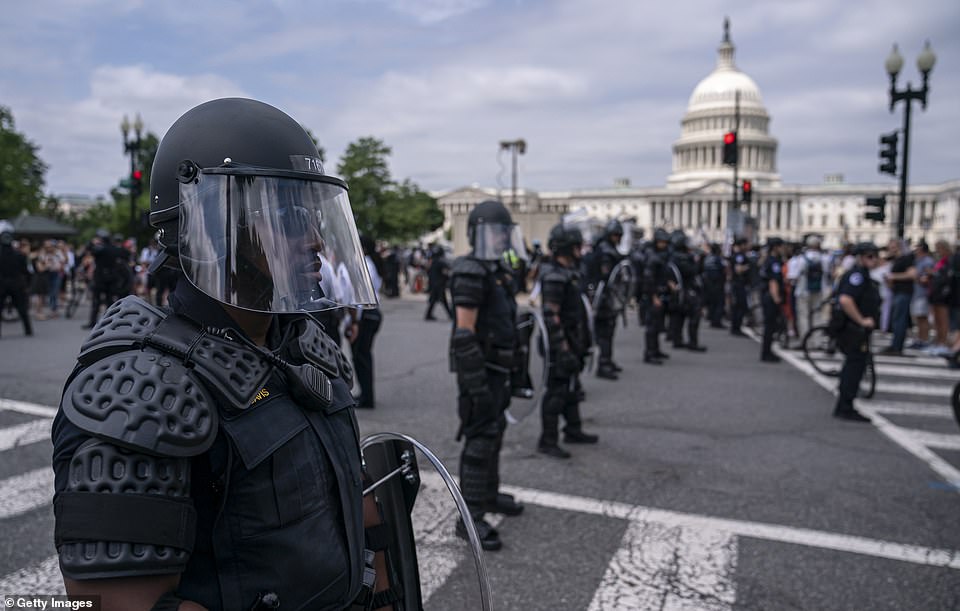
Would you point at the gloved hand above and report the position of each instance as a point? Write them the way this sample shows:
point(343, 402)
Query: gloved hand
point(567, 363)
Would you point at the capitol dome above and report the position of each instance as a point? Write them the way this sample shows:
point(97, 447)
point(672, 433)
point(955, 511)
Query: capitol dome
point(711, 112)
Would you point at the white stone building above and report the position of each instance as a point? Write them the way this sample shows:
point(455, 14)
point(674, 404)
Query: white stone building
point(697, 195)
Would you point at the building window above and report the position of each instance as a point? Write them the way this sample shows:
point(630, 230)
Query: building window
point(823, 221)
point(809, 220)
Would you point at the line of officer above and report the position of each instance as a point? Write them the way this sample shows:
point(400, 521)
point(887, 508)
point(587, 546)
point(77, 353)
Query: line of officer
point(111, 265)
point(773, 294)
point(688, 305)
point(14, 278)
point(656, 293)
point(714, 276)
point(739, 285)
point(605, 318)
point(857, 309)
point(563, 315)
point(483, 349)
point(233, 454)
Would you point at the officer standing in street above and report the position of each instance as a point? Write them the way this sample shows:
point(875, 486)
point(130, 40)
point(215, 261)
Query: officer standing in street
point(14, 278)
point(563, 315)
point(739, 283)
point(858, 309)
point(437, 275)
point(483, 350)
point(110, 266)
point(689, 305)
point(655, 291)
point(233, 456)
point(605, 259)
point(714, 277)
point(771, 274)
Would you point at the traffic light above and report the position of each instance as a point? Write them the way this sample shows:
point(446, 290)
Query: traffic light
point(888, 154)
point(136, 183)
point(876, 208)
point(730, 148)
point(746, 192)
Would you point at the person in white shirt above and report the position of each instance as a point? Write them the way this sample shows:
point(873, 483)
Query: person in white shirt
point(812, 282)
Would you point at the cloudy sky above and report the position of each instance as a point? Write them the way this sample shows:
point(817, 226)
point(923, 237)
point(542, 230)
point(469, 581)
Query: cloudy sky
point(596, 87)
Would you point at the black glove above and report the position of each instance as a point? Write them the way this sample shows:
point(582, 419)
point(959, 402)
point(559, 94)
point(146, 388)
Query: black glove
point(567, 363)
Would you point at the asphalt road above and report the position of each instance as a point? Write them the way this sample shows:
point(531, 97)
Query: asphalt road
point(719, 482)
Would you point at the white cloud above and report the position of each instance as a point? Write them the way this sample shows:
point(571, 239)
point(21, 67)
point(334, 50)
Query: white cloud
point(429, 12)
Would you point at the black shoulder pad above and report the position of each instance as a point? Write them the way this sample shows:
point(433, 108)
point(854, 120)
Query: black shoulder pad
point(468, 285)
point(231, 370)
point(553, 283)
point(143, 400)
point(126, 323)
point(311, 344)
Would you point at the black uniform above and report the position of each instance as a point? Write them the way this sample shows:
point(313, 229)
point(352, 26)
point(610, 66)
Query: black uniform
point(688, 304)
point(739, 283)
point(483, 361)
point(437, 276)
point(563, 315)
point(772, 313)
point(654, 286)
point(605, 318)
point(110, 272)
point(222, 476)
point(852, 339)
point(14, 278)
point(714, 275)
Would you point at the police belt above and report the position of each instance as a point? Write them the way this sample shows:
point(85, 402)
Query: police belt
point(500, 359)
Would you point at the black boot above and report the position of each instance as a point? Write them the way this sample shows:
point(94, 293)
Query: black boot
point(844, 410)
point(661, 355)
point(578, 436)
point(505, 504)
point(488, 535)
point(616, 368)
point(696, 348)
point(607, 372)
point(552, 450)
point(651, 360)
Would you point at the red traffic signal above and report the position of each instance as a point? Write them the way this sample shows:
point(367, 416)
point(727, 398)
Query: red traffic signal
point(730, 148)
point(137, 175)
point(746, 191)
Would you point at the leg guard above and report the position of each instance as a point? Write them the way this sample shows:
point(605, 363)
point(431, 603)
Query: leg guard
point(477, 463)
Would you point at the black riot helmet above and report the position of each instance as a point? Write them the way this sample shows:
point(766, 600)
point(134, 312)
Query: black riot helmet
point(661, 235)
point(243, 204)
point(613, 228)
point(678, 240)
point(492, 233)
point(564, 241)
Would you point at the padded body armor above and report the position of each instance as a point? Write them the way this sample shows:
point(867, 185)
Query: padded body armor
point(560, 286)
point(488, 286)
point(277, 506)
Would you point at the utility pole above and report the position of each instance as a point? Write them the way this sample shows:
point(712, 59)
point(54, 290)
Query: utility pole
point(517, 147)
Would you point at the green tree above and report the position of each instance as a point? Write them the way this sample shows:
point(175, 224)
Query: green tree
point(21, 170)
point(384, 209)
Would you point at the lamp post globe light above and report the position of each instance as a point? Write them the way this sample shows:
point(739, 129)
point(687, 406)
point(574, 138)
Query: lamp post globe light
point(893, 64)
point(131, 146)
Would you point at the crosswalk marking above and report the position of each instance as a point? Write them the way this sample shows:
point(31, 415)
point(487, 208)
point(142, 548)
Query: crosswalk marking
point(24, 434)
point(939, 441)
point(24, 407)
point(669, 567)
point(25, 492)
point(908, 408)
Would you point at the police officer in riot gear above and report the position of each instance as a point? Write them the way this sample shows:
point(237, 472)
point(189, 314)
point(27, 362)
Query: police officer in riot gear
point(563, 315)
point(739, 285)
point(714, 277)
point(854, 317)
point(688, 306)
point(226, 420)
point(606, 258)
point(483, 351)
point(111, 267)
point(655, 294)
point(771, 275)
point(14, 277)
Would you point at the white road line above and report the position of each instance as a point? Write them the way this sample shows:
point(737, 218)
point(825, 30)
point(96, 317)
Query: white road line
point(24, 434)
point(940, 441)
point(22, 493)
point(27, 408)
point(906, 408)
point(916, 389)
point(43, 578)
point(944, 469)
point(915, 554)
point(921, 362)
point(669, 567)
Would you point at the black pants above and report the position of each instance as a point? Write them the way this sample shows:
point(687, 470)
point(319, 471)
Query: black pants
point(439, 295)
point(480, 458)
point(689, 312)
point(104, 292)
point(738, 309)
point(560, 399)
point(653, 322)
point(18, 295)
point(362, 350)
point(771, 323)
point(605, 327)
point(713, 296)
point(854, 345)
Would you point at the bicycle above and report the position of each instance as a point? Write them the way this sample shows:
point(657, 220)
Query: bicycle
point(820, 350)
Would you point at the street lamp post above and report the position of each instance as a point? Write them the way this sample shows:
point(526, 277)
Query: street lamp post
point(893, 65)
point(518, 146)
point(132, 146)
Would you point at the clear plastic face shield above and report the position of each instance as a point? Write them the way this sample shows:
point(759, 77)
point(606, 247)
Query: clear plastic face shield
point(271, 240)
point(495, 241)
